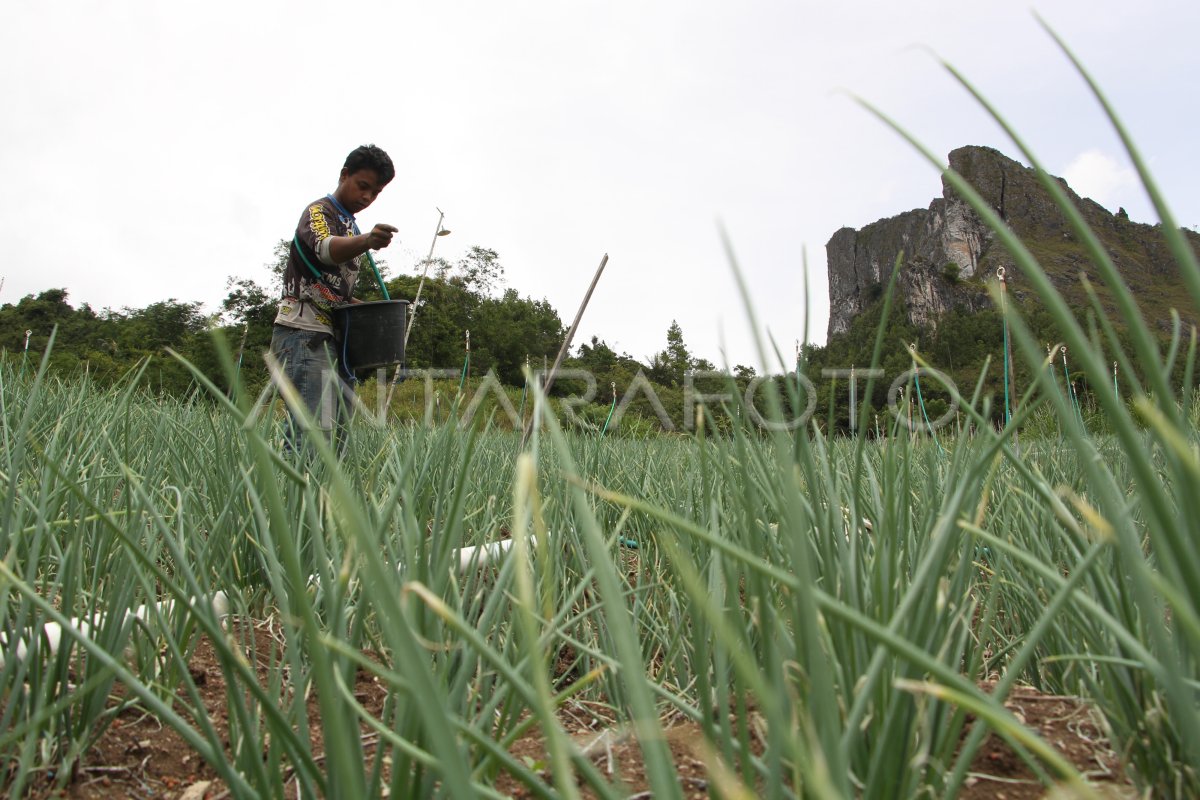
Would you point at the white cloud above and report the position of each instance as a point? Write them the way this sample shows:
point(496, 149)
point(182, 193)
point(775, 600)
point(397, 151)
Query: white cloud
point(1095, 174)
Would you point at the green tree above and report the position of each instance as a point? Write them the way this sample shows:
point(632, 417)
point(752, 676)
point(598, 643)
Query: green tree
point(511, 327)
point(668, 366)
point(459, 297)
point(479, 270)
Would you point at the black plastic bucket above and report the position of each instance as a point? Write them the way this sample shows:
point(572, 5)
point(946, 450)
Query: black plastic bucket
point(372, 334)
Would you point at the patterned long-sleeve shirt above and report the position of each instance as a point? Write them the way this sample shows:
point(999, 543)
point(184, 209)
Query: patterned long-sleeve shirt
point(308, 302)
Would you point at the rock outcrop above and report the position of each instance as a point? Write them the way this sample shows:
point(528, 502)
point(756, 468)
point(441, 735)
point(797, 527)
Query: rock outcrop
point(947, 252)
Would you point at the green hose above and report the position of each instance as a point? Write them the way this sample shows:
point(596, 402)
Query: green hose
point(463, 380)
point(611, 409)
point(921, 402)
point(1007, 412)
point(1071, 391)
point(378, 277)
point(317, 273)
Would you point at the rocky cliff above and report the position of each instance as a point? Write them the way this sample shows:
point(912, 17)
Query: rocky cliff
point(948, 252)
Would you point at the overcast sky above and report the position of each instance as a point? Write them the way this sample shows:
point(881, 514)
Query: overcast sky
point(151, 150)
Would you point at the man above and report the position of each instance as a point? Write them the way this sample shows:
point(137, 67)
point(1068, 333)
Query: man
point(322, 267)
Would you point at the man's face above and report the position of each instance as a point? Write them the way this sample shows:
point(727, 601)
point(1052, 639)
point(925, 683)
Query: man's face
point(357, 190)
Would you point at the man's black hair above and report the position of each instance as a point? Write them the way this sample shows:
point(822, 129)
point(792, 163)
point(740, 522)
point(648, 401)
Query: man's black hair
point(368, 156)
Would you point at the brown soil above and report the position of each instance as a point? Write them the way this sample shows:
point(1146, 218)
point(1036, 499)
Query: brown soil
point(618, 757)
point(138, 758)
point(996, 772)
point(1065, 723)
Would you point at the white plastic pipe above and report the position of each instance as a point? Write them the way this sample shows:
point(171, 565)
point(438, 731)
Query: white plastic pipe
point(52, 632)
point(483, 554)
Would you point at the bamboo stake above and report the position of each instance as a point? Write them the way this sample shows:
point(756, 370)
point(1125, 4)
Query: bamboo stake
point(566, 345)
point(412, 315)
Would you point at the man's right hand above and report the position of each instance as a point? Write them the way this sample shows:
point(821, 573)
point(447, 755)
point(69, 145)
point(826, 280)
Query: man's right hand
point(380, 236)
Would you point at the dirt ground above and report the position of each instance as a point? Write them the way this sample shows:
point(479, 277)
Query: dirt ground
point(138, 758)
point(1069, 726)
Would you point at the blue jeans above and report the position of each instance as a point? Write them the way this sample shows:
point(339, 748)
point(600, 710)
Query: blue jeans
point(309, 362)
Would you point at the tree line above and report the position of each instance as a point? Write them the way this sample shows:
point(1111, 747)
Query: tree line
point(508, 331)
